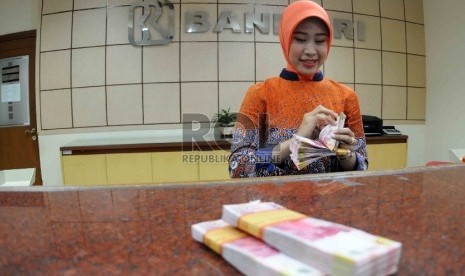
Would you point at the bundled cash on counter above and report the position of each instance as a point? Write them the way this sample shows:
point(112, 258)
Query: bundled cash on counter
point(333, 248)
point(246, 253)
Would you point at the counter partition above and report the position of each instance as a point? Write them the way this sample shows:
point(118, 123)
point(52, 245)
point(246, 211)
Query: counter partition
point(146, 160)
point(143, 229)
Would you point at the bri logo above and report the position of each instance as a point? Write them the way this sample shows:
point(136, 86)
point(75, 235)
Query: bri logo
point(146, 21)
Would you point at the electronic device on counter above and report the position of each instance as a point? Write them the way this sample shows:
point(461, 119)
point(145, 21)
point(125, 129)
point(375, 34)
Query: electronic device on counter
point(390, 130)
point(372, 125)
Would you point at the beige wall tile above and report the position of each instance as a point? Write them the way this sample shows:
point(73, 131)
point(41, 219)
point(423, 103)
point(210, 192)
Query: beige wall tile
point(367, 66)
point(265, 65)
point(89, 107)
point(124, 64)
point(198, 1)
point(89, 27)
point(236, 61)
point(392, 9)
point(222, 72)
point(232, 94)
point(162, 103)
point(237, 2)
point(416, 103)
point(271, 2)
point(372, 27)
point(270, 37)
point(115, 3)
point(161, 63)
point(89, 4)
point(338, 5)
point(234, 1)
point(369, 97)
point(414, 11)
point(340, 64)
point(415, 39)
point(55, 70)
point(416, 71)
point(51, 6)
point(55, 32)
point(316, 1)
point(117, 25)
point(124, 103)
point(55, 109)
point(394, 103)
point(350, 85)
point(88, 67)
point(212, 14)
point(342, 41)
point(393, 35)
point(201, 98)
point(394, 68)
point(370, 7)
point(238, 11)
point(199, 61)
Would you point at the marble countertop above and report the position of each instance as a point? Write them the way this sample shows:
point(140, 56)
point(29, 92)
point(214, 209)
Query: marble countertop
point(141, 230)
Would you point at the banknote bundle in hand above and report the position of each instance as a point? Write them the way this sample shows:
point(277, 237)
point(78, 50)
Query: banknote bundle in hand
point(305, 151)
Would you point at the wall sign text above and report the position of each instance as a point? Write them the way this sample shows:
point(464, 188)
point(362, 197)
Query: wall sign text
point(151, 22)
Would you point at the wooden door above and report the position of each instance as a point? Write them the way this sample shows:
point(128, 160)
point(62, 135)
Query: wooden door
point(19, 146)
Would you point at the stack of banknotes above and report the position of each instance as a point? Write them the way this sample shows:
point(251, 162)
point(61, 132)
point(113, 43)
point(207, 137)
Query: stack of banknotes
point(305, 151)
point(318, 245)
point(249, 255)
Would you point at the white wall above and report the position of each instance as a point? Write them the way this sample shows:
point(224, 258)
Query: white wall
point(416, 144)
point(18, 15)
point(445, 72)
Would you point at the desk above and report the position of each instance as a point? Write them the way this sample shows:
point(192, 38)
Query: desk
point(142, 230)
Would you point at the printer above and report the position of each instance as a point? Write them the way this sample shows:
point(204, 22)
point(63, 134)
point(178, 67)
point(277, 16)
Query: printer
point(372, 125)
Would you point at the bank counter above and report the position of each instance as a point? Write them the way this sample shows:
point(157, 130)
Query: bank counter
point(152, 160)
point(145, 229)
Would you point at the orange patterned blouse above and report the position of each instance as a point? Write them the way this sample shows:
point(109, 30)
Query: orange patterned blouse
point(272, 112)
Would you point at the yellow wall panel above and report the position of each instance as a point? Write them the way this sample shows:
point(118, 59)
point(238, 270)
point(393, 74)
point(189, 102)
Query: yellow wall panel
point(387, 156)
point(84, 170)
point(175, 166)
point(129, 168)
point(213, 165)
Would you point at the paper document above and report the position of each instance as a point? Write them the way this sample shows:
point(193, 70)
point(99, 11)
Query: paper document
point(10, 92)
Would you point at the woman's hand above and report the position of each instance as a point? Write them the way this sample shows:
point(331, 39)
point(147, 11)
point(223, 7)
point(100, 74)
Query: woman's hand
point(310, 128)
point(315, 120)
point(346, 138)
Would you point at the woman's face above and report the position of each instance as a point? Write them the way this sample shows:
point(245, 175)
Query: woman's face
point(309, 46)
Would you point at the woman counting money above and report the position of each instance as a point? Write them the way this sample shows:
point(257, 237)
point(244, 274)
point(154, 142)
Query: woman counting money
point(299, 101)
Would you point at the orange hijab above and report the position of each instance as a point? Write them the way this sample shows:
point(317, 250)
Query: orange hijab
point(295, 13)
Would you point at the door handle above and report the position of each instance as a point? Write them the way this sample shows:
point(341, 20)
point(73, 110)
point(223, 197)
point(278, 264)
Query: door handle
point(32, 131)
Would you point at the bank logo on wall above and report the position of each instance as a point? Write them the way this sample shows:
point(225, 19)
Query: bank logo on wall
point(151, 22)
